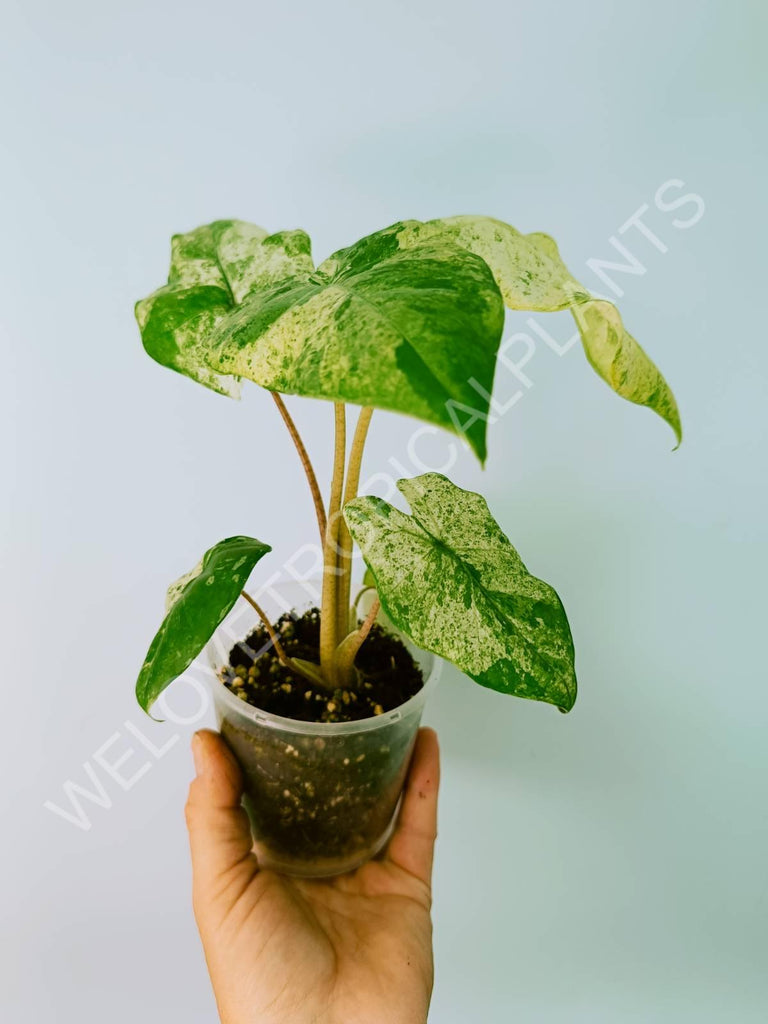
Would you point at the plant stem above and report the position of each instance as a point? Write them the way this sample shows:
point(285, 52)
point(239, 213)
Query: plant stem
point(329, 605)
point(347, 650)
point(279, 649)
point(317, 497)
point(345, 538)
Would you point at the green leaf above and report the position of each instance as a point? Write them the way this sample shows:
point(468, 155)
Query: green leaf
point(407, 319)
point(531, 275)
point(450, 579)
point(195, 606)
point(213, 268)
point(415, 331)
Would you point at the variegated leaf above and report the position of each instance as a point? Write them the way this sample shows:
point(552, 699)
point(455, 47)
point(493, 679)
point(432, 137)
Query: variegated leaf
point(531, 275)
point(413, 330)
point(401, 320)
point(213, 268)
point(449, 578)
point(195, 606)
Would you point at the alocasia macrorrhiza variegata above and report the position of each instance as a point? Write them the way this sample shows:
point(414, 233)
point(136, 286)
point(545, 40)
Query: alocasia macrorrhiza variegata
point(407, 319)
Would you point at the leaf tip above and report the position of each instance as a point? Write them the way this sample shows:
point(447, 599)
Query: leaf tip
point(481, 452)
point(572, 692)
point(673, 419)
point(678, 429)
point(145, 703)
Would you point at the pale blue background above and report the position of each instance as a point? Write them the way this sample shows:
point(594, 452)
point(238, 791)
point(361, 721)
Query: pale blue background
point(606, 867)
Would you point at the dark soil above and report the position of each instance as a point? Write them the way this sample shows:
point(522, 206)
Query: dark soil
point(317, 802)
point(387, 674)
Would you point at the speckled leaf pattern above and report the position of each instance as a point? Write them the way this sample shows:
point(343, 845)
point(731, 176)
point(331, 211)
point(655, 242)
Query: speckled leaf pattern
point(213, 268)
point(531, 275)
point(195, 606)
point(449, 578)
point(407, 319)
point(375, 324)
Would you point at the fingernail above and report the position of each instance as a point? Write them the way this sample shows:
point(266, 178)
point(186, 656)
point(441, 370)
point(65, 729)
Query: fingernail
point(197, 753)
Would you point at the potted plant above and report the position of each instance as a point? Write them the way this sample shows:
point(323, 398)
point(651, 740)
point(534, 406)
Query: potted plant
point(321, 704)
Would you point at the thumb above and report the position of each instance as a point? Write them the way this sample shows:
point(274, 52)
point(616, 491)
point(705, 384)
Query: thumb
point(413, 842)
point(219, 832)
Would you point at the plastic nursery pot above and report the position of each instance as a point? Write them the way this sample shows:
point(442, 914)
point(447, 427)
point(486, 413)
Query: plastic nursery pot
point(322, 797)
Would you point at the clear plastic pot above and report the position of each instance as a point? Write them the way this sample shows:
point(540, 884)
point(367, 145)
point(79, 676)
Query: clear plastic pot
point(322, 797)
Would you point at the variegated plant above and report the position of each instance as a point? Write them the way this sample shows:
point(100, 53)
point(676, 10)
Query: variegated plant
point(407, 319)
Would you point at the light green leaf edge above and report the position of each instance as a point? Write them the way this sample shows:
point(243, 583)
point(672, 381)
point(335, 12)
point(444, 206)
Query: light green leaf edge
point(449, 578)
point(532, 276)
point(195, 606)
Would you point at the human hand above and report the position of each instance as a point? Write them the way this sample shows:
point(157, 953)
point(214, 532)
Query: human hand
point(354, 949)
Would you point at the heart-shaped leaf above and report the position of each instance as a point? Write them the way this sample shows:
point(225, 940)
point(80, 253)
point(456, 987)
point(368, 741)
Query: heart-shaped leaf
point(450, 579)
point(407, 319)
point(213, 268)
point(531, 275)
point(196, 605)
point(415, 331)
